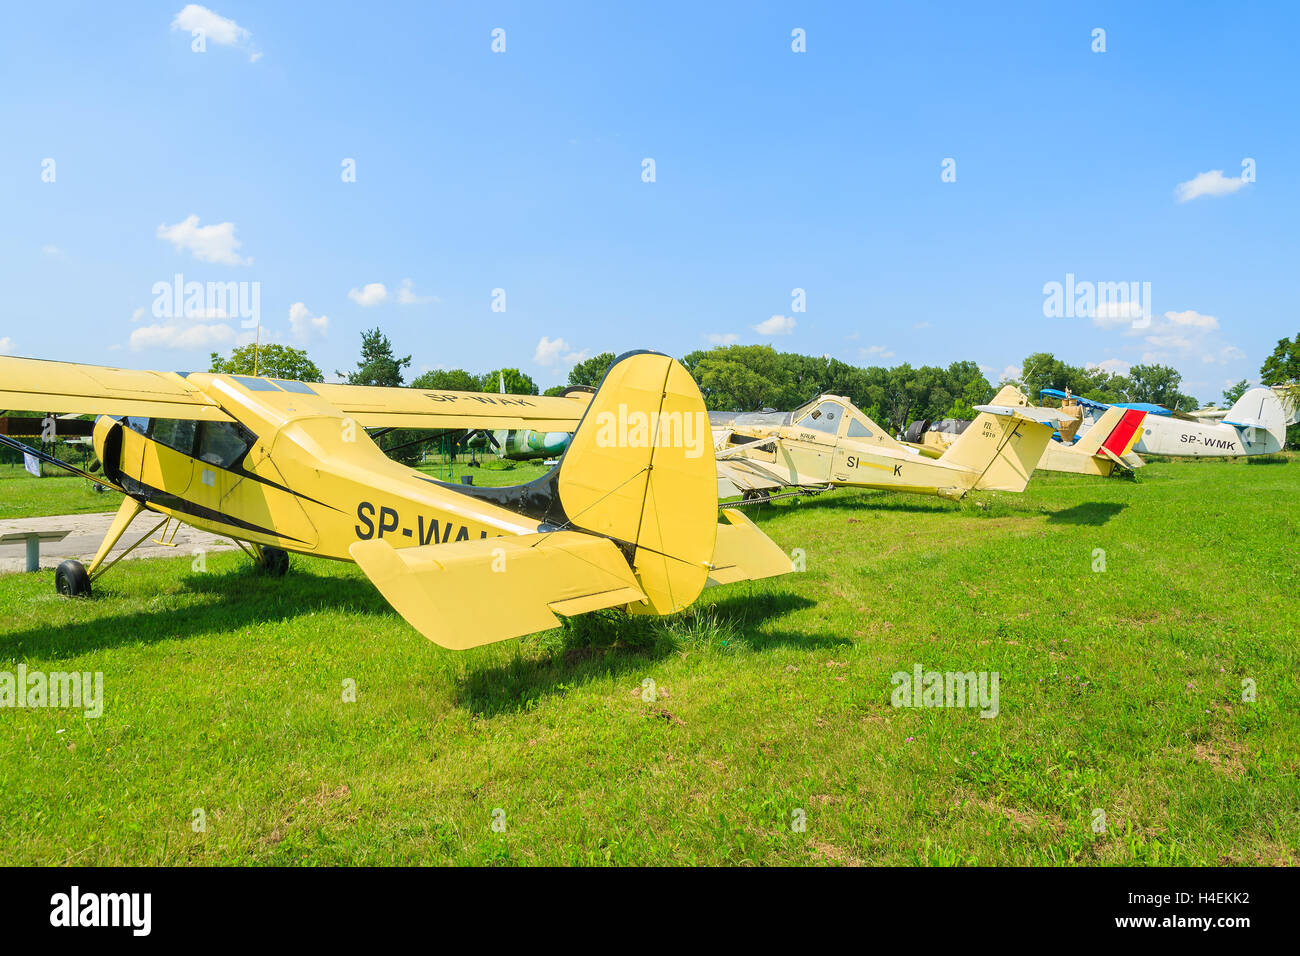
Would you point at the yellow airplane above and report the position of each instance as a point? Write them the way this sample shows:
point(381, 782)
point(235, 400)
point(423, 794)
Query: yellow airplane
point(829, 442)
point(627, 518)
point(1107, 446)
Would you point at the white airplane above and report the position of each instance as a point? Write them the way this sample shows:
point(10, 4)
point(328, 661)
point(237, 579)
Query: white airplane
point(1255, 425)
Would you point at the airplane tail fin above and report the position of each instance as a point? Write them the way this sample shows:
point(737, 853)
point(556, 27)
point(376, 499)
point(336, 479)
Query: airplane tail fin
point(1261, 418)
point(628, 517)
point(640, 471)
point(1113, 435)
point(1003, 447)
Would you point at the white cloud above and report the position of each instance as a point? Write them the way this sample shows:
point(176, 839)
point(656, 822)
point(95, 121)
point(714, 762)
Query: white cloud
point(201, 336)
point(921, 325)
point(215, 243)
point(52, 250)
point(306, 326)
point(722, 338)
point(1193, 318)
point(372, 293)
point(138, 314)
point(1187, 336)
point(876, 351)
point(557, 352)
point(1112, 365)
point(1213, 183)
point(1012, 373)
point(1171, 341)
point(776, 325)
point(1229, 353)
point(6, 346)
point(406, 295)
point(215, 28)
point(1109, 315)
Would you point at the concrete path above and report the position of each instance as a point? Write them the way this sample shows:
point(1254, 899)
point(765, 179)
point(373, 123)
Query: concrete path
point(86, 532)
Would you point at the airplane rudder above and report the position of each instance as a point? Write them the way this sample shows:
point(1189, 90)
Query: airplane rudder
point(641, 470)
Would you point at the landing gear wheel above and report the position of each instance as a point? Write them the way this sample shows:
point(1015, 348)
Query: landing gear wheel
point(71, 579)
point(275, 561)
point(755, 496)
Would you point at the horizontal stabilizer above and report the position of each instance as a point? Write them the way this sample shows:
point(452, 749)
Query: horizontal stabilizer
point(744, 553)
point(468, 593)
point(1026, 413)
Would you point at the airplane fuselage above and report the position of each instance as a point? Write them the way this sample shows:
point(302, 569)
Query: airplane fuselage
point(1178, 438)
point(291, 471)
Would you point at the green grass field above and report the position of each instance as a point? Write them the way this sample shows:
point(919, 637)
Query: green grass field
point(1120, 691)
point(23, 496)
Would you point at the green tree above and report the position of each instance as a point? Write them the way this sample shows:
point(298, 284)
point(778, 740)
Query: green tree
point(1158, 384)
point(517, 383)
point(273, 361)
point(746, 378)
point(591, 371)
point(1282, 368)
point(1044, 370)
point(1283, 365)
point(1231, 394)
point(378, 365)
point(969, 386)
point(447, 380)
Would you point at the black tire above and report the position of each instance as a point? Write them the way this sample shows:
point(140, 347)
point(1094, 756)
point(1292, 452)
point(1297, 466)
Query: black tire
point(275, 561)
point(71, 579)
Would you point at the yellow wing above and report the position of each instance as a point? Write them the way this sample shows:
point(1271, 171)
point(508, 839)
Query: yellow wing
point(376, 407)
point(35, 385)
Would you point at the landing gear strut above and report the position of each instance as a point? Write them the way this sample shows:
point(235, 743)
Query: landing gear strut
point(73, 579)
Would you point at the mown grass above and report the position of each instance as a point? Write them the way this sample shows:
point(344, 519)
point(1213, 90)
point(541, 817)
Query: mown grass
point(1120, 691)
point(25, 496)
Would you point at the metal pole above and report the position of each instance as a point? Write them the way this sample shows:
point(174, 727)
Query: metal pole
point(33, 554)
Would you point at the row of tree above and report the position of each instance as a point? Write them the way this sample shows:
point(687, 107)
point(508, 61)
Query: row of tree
point(752, 377)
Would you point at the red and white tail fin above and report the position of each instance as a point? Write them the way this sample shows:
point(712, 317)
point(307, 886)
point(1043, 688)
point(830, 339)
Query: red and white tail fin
point(1113, 435)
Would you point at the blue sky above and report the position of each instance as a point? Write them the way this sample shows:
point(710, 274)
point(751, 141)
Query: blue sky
point(774, 170)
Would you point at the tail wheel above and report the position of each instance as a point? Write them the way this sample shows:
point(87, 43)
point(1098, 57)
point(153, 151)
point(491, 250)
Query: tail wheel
point(71, 579)
point(754, 495)
point(275, 561)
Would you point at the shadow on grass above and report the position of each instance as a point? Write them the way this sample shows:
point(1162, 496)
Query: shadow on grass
point(1267, 460)
point(1089, 513)
point(848, 500)
point(608, 643)
point(232, 599)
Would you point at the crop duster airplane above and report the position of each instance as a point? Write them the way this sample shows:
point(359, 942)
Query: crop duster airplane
point(627, 518)
point(830, 442)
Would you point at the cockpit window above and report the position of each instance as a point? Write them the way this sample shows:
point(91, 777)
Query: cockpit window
point(176, 434)
point(858, 430)
point(824, 418)
point(222, 443)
